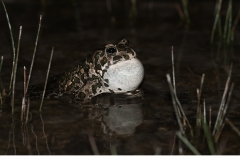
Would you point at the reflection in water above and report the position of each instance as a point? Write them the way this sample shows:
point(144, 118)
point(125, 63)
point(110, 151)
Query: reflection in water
point(11, 133)
point(119, 114)
point(93, 144)
point(173, 146)
point(36, 140)
point(24, 134)
point(29, 147)
point(45, 135)
point(113, 117)
point(123, 119)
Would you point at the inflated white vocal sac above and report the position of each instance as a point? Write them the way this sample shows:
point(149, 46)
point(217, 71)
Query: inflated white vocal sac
point(125, 76)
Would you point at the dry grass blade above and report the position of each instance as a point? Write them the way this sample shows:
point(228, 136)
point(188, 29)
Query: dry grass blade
point(217, 135)
point(174, 104)
point(23, 113)
point(15, 69)
point(187, 143)
point(226, 105)
point(180, 110)
point(13, 45)
point(34, 52)
point(49, 65)
point(24, 82)
point(173, 71)
point(204, 112)
point(233, 126)
point(23, 108)
point(28, 106)
point(221, 108)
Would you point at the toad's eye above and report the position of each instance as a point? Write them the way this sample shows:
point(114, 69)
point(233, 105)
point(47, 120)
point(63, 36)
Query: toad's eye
point(111, 50)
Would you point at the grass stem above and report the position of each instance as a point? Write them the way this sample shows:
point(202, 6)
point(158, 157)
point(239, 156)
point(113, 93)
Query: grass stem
point(34, 52)
point(13, 46)
point(45, 85)
point(187, 143)
point(180, 110)
point(221, 108)
point(15, 70)
point(233, 126)
point(174, 104)
point(208, 137)
point(24, 82)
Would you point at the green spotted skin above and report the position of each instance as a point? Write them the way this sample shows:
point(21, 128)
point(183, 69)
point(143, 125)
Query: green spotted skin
point(86, 79)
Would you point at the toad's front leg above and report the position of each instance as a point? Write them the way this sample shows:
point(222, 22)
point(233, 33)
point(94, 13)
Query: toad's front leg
point(89, 90)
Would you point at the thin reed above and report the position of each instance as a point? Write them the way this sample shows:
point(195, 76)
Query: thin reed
point(45, 85)
point(15, 70)
point(201, 119)
point(34, 52)
point(217, 125)
point(187, 143)
point(13, 46)
point(208, 136)
point(233, 126)
point(180, 114)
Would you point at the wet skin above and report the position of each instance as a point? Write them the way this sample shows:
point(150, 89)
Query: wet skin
point(112, 69)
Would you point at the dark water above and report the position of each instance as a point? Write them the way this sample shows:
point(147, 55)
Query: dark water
point(139, 126)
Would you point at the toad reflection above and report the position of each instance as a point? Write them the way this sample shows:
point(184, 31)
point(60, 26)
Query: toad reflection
point(120, 118)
